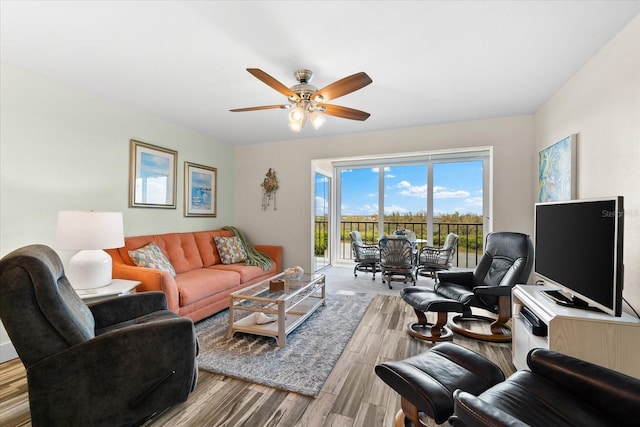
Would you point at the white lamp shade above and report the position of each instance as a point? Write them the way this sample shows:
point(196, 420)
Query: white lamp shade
point(89, 232)
point(79, 230)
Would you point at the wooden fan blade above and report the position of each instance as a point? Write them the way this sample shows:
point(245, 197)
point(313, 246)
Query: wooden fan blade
point(345, 112)
point(344, 86)
point(270, 81)
point(263, 107)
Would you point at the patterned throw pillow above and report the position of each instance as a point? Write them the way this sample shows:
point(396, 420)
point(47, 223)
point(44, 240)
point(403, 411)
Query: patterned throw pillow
point(231, 249)
point(151, 256)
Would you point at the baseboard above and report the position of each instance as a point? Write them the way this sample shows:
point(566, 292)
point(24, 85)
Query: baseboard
point(7, 352)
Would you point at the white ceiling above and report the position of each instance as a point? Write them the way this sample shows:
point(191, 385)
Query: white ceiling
point(430, 61)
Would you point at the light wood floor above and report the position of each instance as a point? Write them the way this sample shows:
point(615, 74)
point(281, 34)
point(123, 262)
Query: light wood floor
point(352, 395)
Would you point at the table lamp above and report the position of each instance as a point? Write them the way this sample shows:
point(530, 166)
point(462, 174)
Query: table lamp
point(90, 233)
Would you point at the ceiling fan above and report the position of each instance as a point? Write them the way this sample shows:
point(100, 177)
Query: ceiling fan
point(307, 101)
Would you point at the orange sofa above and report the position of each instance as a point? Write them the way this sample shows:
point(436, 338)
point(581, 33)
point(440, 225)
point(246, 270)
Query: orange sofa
point(202, 283)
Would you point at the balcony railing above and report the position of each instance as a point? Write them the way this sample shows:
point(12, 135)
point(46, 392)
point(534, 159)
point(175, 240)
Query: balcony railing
point(469, 237)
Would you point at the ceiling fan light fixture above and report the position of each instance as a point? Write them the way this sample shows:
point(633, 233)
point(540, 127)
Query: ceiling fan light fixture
point(307, 101)
point(317, 119)
point(297, 118)
point(297, 114)
point(295, 126)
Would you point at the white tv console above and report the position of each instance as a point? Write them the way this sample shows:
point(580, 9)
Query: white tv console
point(599, 338)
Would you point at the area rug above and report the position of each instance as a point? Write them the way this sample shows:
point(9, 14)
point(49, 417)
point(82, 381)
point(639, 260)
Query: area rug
point(302, 366)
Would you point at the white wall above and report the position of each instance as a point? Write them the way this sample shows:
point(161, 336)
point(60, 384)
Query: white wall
point(601, 103)
point(291, 224)
point(61, 149)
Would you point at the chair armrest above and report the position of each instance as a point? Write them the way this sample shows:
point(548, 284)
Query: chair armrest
point(367, 246)
point(114, 369)
point(368, 250)
point(122, 309)
point(614, 394)
point(494, 291)
point(471, 411)
point(464, 277)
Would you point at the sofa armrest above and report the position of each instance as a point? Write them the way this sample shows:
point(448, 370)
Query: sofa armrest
point(274, 252)
point(117, 310)
point(615, 394)
point(151, 280)
point(471, 411)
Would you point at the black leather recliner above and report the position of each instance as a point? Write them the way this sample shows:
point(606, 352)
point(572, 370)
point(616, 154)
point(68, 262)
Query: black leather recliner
point(506, 262)
point(451, 382)
point(113, 363)
point(559, 390)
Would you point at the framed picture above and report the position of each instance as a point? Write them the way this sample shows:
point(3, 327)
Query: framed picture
point(199, 190)
point(152, 181)
point(557, 171)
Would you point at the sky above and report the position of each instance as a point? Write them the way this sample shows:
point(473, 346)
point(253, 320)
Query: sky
point(457, 187)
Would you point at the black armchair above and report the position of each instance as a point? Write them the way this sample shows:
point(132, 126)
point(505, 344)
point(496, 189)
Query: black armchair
point(451, 382)
point(117, 362)
point(559, 390)
point(367, 257)
point(507, 261)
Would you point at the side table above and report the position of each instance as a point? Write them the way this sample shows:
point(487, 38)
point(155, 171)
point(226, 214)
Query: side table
point(116, 288)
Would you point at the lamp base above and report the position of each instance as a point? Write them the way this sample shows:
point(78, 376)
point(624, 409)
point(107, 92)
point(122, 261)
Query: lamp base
point(90, 269)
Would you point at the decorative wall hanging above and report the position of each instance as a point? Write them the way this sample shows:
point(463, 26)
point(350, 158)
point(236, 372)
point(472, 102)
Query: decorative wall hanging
point(200, 190)
point(557, 171)
point(152, 177)
point(269, 187)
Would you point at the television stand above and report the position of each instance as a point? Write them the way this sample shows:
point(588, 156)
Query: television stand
point(598, 338)
point(560, 298)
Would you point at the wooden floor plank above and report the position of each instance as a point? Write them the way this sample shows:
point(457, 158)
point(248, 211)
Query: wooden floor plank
point(352, 396)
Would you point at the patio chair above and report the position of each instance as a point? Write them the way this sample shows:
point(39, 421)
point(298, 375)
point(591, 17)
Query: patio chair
point(397, 259)
point(366, 256)
point(432, 259)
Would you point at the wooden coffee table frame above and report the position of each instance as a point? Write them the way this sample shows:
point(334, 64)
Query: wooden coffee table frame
point(292, 306)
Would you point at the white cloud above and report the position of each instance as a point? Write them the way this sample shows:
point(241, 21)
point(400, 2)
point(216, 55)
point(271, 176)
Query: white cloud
point(474, 201)
point(451, 194)
point(366, 209)
point(322, 206)
point(394, 208)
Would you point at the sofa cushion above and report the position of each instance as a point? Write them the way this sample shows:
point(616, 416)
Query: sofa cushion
point(207, 246)
point(196, 285)
point(181, 249)
point(231, 249)
point(150, 256)
point(247, 273)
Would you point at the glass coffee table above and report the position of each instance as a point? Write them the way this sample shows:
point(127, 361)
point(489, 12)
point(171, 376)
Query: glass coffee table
point(290, 306)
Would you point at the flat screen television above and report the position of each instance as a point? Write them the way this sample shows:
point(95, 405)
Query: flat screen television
point(578, 247)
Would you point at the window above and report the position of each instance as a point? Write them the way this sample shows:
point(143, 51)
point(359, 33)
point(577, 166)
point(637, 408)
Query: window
point(429, 194)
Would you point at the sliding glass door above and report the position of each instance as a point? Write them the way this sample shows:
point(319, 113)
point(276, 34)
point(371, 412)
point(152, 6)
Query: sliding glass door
point(321, 238)
point(432, 195)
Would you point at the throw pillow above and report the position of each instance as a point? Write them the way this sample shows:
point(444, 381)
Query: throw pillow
point(231, 249)
point(151, 256)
